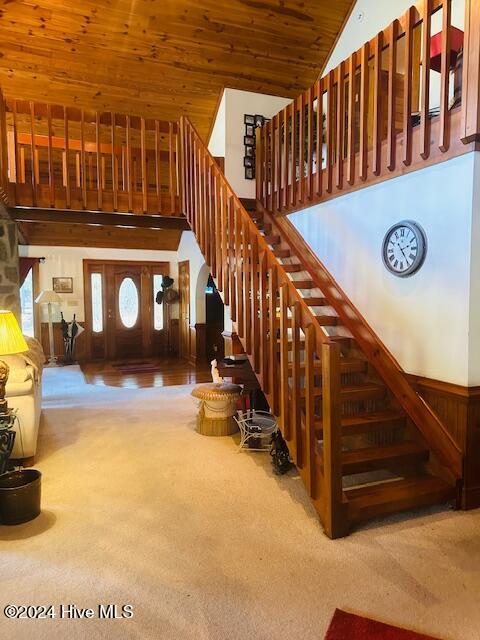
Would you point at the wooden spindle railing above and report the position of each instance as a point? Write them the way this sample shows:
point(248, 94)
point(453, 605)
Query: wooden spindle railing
point(274, 323)
point(66, 158)
point(373, 121)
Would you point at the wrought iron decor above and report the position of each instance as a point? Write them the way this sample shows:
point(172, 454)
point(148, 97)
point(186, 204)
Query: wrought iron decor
point(251, 123)
point(7, 438)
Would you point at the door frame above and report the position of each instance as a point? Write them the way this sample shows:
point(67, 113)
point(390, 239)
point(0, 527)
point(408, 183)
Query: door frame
point(163, 267)
point(181, 264)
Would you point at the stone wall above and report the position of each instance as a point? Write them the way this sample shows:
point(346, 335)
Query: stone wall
point(9, 278)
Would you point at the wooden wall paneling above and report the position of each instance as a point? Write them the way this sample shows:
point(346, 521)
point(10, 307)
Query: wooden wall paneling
point(190, 59)
point(247, 300)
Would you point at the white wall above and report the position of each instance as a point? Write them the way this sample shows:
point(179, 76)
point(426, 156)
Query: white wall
point(188, 249)
point(229, 130)
point(217, 142)
point(474, 320)
point(68, 261)
point(424, 320)
point(371, 16)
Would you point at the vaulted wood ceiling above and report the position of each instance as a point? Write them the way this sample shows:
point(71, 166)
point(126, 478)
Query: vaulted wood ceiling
point(163, 57)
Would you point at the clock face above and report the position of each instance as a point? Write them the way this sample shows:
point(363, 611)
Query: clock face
point(404, 248)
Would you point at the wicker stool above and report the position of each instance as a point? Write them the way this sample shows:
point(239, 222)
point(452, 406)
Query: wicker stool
point(218, 405)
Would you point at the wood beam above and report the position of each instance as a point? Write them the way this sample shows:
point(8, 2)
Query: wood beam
point(26, 214)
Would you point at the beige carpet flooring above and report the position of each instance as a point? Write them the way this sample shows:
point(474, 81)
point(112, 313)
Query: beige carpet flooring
point(206, 543)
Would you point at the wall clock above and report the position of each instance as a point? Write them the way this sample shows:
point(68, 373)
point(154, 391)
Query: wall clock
point(404, 248)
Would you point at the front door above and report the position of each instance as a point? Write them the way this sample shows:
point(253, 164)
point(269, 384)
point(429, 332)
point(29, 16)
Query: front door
point(123, 319)
point(127, 311)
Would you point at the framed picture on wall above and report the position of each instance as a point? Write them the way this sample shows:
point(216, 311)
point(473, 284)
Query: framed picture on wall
point(248, 119)
point(250, 152)
point(62, 285)
point(248, 162)
point(250, 130)
point(249, 141)
point(249, 175)
point(259, 121)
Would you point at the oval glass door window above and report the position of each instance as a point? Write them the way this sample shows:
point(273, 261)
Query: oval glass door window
point(128, 303)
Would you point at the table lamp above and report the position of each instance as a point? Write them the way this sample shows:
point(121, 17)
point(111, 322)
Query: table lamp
point(49, 297)
point(11, 342)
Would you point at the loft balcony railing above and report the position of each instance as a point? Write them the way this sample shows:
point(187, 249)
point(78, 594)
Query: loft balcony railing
point(60, 157)
point(407, 99)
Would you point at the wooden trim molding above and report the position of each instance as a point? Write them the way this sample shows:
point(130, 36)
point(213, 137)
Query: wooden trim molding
point(198, 342)
point(233, 346)
point(458, 408)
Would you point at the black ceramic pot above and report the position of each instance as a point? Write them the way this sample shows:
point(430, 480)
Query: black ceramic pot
point(20, 496)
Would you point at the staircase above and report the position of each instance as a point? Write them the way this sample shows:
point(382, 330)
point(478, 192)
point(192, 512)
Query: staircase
point(364, 442)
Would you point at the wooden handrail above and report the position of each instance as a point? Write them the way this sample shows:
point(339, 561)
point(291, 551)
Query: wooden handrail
point(63, 157)
point(365, 122)
point(273, 321)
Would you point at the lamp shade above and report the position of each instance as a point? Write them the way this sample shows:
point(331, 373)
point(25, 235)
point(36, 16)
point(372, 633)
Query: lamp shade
point(48, 296)
point(11, 338)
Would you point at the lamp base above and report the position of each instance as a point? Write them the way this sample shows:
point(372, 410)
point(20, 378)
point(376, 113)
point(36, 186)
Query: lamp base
point(4, 371)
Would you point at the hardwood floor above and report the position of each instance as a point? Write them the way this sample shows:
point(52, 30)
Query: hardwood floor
point(168, 372)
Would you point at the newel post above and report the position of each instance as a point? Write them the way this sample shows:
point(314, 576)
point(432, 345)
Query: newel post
point(335, 510)
point(471, 74)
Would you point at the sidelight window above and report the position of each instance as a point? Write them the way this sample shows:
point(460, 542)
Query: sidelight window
point(97, 302)
point(157, 308)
